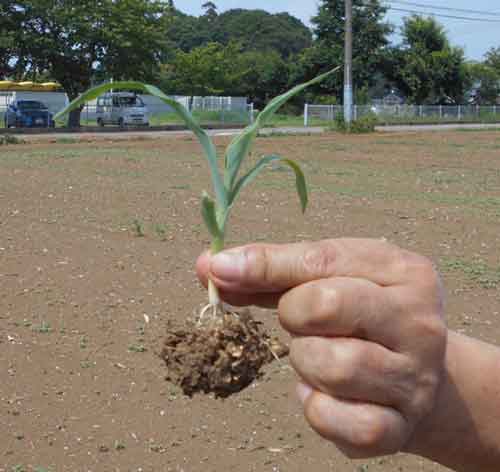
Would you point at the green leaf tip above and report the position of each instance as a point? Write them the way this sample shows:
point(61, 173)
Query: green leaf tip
point(240, 146)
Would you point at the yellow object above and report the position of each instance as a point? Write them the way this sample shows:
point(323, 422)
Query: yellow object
point(51, 85)
point(6, 84)
point(29, 86)
point(26, 84)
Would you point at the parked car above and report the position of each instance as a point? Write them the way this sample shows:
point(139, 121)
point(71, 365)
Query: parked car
point(28, 114)
point(122, 109)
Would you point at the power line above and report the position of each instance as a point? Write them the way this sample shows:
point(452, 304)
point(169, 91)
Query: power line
point(454, 17)
point(452, 9)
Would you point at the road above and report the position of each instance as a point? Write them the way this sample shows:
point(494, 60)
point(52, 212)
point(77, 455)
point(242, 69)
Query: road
point(131, 135)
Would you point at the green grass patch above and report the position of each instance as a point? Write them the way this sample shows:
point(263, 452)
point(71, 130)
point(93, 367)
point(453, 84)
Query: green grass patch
point(476, 271)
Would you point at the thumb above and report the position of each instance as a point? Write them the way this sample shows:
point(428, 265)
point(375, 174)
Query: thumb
point(270, 268)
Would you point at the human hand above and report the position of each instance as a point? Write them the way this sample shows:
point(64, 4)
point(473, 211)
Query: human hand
point(369, 335)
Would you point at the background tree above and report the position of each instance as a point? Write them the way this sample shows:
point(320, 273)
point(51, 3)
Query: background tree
point(213, 69)
point(425, 67)
point(258, 30)
point(72, 40)
point(266, 75)
point(370, 38)
point(492, 59)
point(255, 30)
point(210, 10)
point(6, 41)
point(185, 32)
point(486, 83)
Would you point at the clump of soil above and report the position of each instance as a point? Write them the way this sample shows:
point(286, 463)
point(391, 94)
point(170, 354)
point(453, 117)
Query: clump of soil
point(222, 356)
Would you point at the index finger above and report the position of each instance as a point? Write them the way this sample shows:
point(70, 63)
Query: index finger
point(270, 268)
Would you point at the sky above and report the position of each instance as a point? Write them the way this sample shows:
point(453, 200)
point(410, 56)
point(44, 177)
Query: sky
point(475, 37)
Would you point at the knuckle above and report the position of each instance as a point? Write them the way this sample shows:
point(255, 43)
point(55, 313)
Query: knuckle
point(419, 267)
point(344, 369)
point(342, 365)
point(433, 329)
point(299, 349)
point(310, 308)
point(342, 376)
point(371, 433)
point(326, 302)
point(258, 268)
point(319, 259)
point(286, 319)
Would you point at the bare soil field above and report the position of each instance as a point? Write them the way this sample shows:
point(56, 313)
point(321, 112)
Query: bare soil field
point(97, 248)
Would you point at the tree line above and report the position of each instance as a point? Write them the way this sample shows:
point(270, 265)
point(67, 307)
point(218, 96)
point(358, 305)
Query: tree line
point(238, 52)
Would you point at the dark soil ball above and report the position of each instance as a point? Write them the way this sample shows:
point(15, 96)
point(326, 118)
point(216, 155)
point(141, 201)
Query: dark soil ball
point(222, 357)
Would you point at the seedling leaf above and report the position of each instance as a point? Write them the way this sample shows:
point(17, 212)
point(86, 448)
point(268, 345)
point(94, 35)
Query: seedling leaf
point(239, 147)
point(300, 181)
point(210, 216)
point(205, 141)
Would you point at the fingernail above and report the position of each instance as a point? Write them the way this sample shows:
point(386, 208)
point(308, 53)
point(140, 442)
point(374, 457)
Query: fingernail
point(228, 265)
point(304, 392)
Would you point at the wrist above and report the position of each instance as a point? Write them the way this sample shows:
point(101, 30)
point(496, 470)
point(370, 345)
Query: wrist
point(461, 431)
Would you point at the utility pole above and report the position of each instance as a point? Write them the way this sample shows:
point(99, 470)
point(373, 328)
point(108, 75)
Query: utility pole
point(348, 94)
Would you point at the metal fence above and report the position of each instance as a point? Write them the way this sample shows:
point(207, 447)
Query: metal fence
point(161, 115)
point(401, 114)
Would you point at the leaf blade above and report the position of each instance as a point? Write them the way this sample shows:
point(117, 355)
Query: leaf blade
point(300, 180)
point(209, 215)
point(240, 146)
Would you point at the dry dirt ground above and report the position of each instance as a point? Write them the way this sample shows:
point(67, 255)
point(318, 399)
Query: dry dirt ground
point(97, 249)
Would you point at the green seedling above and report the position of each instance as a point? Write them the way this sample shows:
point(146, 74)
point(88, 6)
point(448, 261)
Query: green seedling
point(44, 328)
point(119, 446)
point(138, 228)
point(161, 231)
point(137, 348)
point(227, 183)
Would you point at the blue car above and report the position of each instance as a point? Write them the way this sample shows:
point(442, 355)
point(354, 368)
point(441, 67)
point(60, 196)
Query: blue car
point(28, 114)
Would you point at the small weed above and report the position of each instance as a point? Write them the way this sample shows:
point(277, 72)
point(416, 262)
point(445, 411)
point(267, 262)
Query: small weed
point(41, 469)
point(180, 187)
point(161, 231)
point(18, 468)
point(365, 124)
point(157, 448)
point(119, 446)
point(87, 364)
point(24, 323)
point(137, 348)
point(138, 228)
point(10, 139)
point(84, 342)
point(43, 328)
point(66, 141)
point(477, 271)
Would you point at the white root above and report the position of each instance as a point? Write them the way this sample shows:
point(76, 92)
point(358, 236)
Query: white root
point(218, 312)
point(203, 313)
point(272, 352)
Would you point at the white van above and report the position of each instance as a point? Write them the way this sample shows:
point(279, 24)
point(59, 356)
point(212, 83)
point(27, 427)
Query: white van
point(122, 109)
